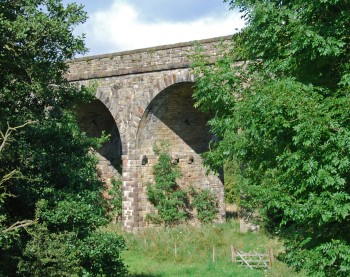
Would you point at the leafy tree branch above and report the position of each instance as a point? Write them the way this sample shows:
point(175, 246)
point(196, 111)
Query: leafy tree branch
point(51, 226)
point(5, 136)
point(281, 103)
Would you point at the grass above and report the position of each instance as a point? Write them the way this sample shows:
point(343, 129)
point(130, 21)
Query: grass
point(151, 253)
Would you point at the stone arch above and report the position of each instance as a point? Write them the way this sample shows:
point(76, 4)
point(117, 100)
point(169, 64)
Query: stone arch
point(181, 76)
point(94, 118)
point(171, 116)
point(174, 107)
point(160, 84)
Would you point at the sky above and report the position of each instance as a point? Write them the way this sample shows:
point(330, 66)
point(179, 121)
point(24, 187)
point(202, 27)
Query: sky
point(121, 25)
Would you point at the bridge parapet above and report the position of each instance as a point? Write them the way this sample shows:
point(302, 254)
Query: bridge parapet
point(159, 58)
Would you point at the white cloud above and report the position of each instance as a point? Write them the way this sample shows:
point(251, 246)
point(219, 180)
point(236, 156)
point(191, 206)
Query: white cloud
point(120, 28)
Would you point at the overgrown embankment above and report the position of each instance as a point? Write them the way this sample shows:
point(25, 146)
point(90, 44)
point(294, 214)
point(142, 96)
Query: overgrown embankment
point(188, 251)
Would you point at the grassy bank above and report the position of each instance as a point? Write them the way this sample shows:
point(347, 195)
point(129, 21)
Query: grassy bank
point(188, 251)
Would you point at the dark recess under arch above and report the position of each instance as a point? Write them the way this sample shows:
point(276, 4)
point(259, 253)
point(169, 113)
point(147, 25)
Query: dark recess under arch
point(93, 118)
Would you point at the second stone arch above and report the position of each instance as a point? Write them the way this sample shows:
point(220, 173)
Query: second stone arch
point(171, 117)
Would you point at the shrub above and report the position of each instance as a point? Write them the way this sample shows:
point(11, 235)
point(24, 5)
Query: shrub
point(206, 204)
point(116, 197)
point(165, 194)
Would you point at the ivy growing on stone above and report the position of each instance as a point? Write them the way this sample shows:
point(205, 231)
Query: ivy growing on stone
point(206, 204)
point(165, 194)
point(116, 198)
point(174, 204)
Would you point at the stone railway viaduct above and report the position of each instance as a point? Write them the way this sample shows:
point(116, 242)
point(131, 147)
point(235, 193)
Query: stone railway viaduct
point(145, 96)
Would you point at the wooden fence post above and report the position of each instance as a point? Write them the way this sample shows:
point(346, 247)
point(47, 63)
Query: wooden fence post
point(271, 257)
point(233, 255)
point(213, 254)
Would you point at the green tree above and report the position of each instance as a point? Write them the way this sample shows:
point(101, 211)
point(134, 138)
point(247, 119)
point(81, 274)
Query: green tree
point(52, 207)
point(165, 194)
point(281, 101)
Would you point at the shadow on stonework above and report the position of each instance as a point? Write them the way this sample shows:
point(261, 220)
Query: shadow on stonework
point(94, 118)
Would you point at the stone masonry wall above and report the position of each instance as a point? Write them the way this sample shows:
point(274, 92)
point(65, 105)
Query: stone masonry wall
point(139, 61)
point(171, 117)
point(129, 84)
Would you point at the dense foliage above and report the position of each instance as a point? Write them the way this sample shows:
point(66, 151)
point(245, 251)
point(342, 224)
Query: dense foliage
point(50, 195)
point(116, 200)
point(206, 204)
point(281, 102)
point(165, 194)
point(231, 182)
point(175, 204)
